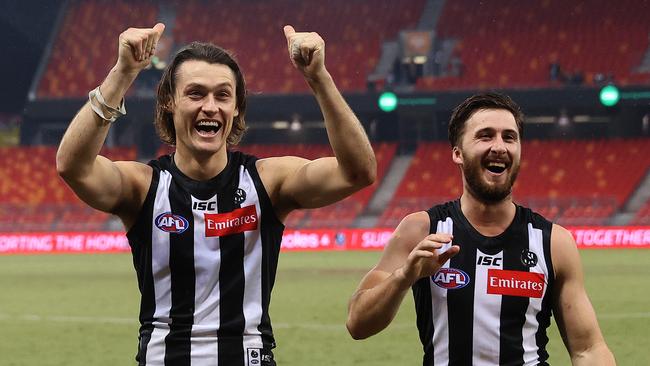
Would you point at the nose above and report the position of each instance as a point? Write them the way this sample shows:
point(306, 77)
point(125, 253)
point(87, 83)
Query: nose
point(209, 106)
point(499, 146)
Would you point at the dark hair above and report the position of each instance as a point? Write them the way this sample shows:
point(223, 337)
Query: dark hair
point(164, 120)
point(477, 102)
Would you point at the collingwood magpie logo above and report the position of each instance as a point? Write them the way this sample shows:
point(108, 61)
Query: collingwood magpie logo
point(528, 258)
point(240, 196)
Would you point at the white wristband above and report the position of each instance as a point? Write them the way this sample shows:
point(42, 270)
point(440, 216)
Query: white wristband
point(95, 97)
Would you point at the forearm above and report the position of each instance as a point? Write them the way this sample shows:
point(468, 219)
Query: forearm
point(372, 310)
point(346, 134)
point(87, 132)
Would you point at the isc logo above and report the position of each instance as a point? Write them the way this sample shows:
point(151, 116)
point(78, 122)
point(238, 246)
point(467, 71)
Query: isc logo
point(450, 278)
point(168, 222)
point(486, 260)
point(204, 205)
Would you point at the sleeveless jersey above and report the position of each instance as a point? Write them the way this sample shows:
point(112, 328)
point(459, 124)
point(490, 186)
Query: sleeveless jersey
point(491, 303)
point(205, 254)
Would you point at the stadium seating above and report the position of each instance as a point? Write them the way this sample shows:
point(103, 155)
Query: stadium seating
point(573, 182)
point(34, 198)
point(91, 26)
point(509, 43)
point(85, 48)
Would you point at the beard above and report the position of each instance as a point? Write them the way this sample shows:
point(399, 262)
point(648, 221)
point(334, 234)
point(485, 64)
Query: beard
point(484, 192)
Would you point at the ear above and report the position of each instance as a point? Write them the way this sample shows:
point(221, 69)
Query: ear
point(236, 114)
point(456, 155)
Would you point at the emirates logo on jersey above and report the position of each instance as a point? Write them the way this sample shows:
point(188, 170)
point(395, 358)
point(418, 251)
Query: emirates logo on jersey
point(228, 223)
point(515, 283)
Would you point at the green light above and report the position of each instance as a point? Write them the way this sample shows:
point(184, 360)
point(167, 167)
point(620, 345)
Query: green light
point(387, 101)
point(609, 95)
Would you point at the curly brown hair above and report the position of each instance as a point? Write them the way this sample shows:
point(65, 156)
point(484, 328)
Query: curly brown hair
point(164, 120)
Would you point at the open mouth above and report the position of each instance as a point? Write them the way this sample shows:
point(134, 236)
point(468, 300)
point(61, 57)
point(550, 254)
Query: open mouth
point(496, 167)
point(208, 128)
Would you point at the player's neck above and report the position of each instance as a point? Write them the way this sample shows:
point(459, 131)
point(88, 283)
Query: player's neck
point(489, 219)
point(200, 166)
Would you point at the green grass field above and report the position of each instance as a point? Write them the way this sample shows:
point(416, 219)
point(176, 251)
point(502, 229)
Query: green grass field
point(82, 310)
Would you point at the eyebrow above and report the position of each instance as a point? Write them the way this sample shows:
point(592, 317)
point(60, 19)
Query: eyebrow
point(492, 130)
point(202, 86)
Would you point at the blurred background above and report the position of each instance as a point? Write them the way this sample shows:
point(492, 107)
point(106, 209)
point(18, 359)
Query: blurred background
point(580, 69)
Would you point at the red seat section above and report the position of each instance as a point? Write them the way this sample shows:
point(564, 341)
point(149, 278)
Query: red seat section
point(510, 43)
point(353, 32)
point(85, 48)
point(34, 198)
point(572, 182)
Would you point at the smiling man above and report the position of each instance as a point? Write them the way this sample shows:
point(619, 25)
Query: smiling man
point(205, 224)
point(486, 273)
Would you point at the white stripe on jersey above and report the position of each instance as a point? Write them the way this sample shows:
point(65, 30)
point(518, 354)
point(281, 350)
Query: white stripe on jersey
point(207, 262)
point(252, 267)
point(439, 305)
point(160, 271)
point(487, 321)
point(206, 269)
point(156, 346)
point(535, 245)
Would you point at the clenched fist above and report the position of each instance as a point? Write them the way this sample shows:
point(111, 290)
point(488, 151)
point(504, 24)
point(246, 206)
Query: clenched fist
point(136, 46)
point(306, 51)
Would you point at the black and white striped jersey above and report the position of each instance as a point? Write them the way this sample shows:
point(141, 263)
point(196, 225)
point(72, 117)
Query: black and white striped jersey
point(206, 254)
point(491, 303)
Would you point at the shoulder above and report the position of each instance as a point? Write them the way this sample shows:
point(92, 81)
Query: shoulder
point(412, 229)
point(564, 251)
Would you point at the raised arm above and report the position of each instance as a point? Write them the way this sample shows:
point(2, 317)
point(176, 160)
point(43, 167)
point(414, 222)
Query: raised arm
point(574, 313)
point(111, 187)
point(411, 254)
point(303, 183)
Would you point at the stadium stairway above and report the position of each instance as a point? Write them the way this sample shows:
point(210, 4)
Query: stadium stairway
point(383, 195)
point(636, 201)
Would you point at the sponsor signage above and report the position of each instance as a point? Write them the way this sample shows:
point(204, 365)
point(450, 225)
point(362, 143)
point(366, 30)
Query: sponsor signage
point(228, 223)
point(515, 283)
point(293, 240)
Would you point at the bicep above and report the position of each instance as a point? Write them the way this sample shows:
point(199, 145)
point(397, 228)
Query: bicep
point(109, 184)
point(294, 182)
point(574, 313)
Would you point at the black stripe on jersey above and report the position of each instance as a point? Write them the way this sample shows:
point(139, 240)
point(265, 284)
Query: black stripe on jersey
point(181, 268)
point(513, 311)
point(272, 225)
point(544, 316)
point(141, 234)
point(423, 306)
point(460, 311)
point(231, 287)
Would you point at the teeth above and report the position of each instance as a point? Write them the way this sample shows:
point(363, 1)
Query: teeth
point(209, 123)
point(499, 165)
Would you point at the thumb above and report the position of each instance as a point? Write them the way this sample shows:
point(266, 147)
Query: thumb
point(447, 254)
point(289, 31)
point(159, 29)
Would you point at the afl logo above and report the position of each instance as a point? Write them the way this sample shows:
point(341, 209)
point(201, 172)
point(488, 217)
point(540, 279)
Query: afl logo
point(450, 278)
point(170, 223)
